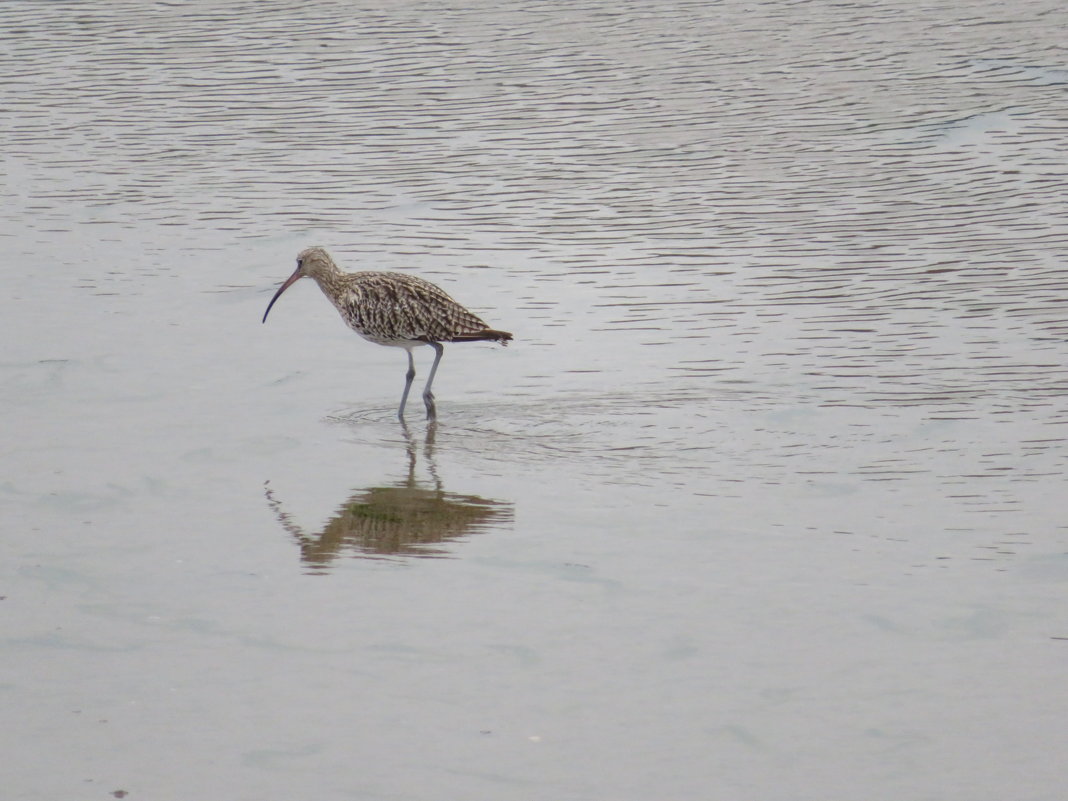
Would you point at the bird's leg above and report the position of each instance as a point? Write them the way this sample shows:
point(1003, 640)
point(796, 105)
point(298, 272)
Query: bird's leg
point(408, 378)
point(428, 396)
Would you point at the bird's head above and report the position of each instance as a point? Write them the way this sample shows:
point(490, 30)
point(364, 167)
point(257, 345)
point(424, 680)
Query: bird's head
point(313, 262)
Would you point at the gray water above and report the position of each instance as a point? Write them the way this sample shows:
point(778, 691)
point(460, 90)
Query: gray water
point(765, 500)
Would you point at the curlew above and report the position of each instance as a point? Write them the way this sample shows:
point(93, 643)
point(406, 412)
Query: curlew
point(393, 309)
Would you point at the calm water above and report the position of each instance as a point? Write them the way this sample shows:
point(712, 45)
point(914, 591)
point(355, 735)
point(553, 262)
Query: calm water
point(765, 501)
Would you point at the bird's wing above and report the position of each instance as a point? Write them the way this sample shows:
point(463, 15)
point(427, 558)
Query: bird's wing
point(404, 307)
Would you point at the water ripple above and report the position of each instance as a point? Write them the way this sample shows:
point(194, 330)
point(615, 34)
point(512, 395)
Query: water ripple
point(844, 206)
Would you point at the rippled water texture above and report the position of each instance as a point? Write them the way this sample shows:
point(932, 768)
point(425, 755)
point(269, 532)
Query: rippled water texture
point(765, 500)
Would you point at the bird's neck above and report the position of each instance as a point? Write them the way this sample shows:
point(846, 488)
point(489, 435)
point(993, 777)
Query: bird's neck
point(326, 276)
point(334, 285)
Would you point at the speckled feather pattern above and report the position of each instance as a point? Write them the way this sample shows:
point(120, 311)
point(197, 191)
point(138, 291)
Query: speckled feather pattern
point(396, 308)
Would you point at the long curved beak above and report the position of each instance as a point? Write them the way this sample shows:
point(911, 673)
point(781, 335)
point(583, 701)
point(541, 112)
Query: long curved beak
point(289, 282)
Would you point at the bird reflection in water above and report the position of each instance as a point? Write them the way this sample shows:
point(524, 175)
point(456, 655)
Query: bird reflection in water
point(408, 518)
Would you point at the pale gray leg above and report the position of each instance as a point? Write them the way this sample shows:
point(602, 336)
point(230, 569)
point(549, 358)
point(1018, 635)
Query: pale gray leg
point(428, 396)
point(408, 378)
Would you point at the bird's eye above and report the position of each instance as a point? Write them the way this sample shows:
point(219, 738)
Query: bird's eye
point(300, 263)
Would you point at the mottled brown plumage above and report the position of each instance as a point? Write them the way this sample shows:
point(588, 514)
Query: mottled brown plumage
point(394, 309)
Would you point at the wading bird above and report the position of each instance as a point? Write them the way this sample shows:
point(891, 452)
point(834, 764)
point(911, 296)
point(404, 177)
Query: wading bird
point(394, 309)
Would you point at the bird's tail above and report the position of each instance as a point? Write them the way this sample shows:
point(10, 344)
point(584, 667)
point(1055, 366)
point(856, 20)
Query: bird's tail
point(487, 334)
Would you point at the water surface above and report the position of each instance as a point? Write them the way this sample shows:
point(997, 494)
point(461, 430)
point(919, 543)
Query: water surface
point(764, 501)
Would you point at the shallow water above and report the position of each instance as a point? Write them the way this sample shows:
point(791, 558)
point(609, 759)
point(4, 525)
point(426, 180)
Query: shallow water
point(764, 501)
